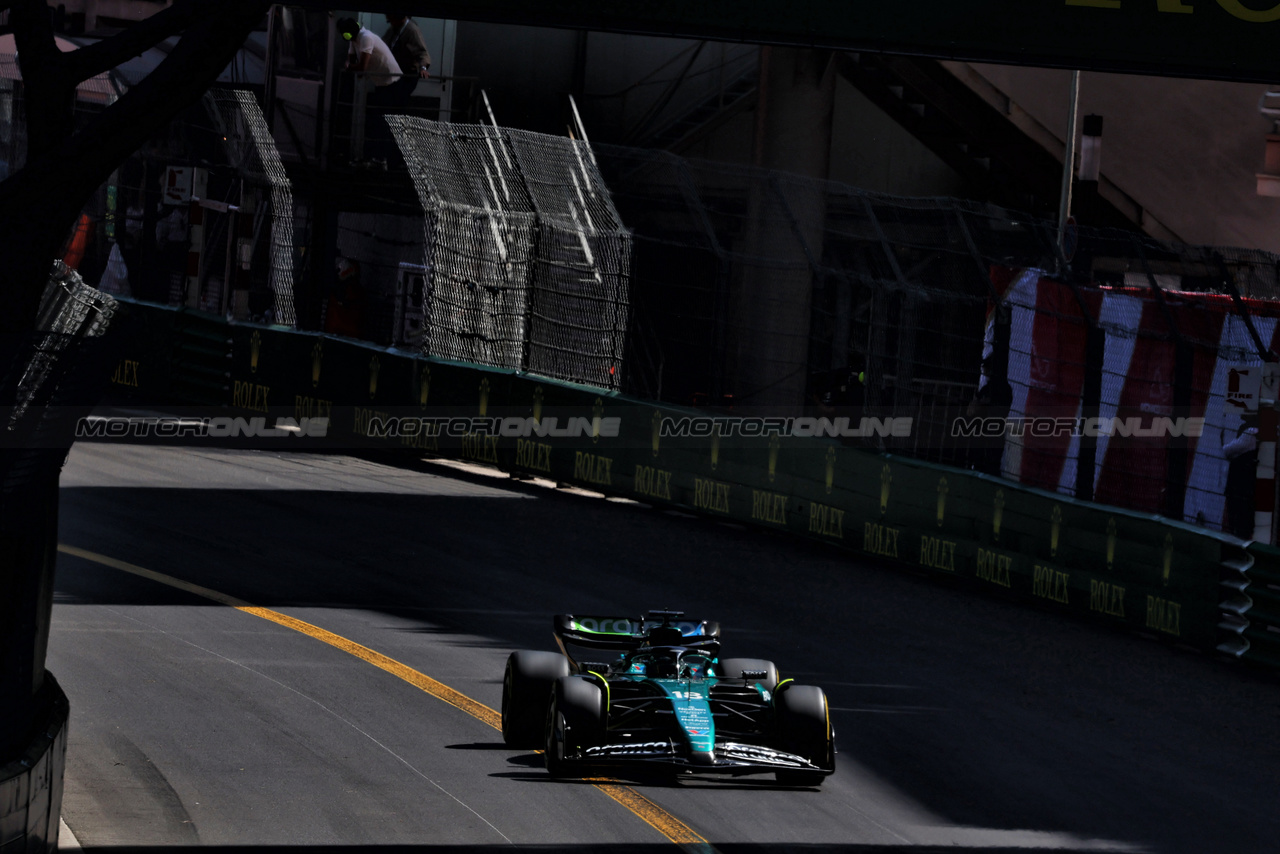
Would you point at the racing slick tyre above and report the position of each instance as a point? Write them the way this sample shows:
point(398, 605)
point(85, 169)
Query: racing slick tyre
point(575, 720)
point(731, 668)
point(804, 729)
point(526, 685)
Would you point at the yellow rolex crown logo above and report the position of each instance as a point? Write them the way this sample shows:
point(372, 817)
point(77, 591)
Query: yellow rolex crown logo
point(831, 469)
point(1055, 529)
point(997, 515)
point(597, 414)
point(255, 347)
point(943, 489)
point(657, 431)
point(774, 444)
point(424, 385)
point(715, 447)
point(1168, 557)
point(484, 397)
point(537, 405)
point(317, 354)
point(1111, 542)
point(886, 478)
point(374, 367)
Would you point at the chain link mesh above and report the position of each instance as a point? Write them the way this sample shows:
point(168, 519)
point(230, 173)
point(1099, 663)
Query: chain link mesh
point(252, 152)
point(761, 290)
point(528, 264)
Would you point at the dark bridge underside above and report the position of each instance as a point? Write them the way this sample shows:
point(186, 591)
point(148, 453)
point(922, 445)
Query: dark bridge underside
point(1219, 39)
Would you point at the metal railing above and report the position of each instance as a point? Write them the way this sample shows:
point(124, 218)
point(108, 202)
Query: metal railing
point(458, 99)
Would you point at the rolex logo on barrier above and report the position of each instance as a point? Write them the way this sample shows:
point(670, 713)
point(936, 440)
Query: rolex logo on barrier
point(597, 413)
point(424, 385)
point(831, 469)
point(1243, 12)
point(715, 447)
point(374, 367)
point(657, 431)
point(255, 348)
point(484, 397)
point(943, 489)
point(1111, 542)
point(1055, 529)
point(774, 444)
point(997, 514)
point(537, 405)
point(1168, 557)
point(317, 355)
point(886, 478)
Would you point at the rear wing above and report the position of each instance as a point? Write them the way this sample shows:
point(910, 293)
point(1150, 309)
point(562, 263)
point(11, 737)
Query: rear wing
point(625, 634)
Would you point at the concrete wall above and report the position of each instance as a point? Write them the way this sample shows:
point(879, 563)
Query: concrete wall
point(870, 150)
point(1188, 150)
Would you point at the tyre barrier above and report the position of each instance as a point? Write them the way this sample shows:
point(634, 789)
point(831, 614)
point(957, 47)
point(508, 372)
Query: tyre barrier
point(1174, 581)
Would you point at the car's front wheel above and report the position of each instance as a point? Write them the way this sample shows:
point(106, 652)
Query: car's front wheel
point(575, 721)
point(526, 685)
point(804, 729)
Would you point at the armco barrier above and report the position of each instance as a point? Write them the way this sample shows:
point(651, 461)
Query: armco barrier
point(1172, 580)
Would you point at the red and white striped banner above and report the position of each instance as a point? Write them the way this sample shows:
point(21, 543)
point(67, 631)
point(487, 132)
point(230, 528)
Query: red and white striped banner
point(1046, 372)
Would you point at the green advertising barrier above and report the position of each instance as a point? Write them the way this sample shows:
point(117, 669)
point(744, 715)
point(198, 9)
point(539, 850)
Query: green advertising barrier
point(200, 373)
point(1168, 579)
point(146, 360)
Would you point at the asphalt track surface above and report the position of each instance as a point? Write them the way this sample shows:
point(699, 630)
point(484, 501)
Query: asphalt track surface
point(963, 722)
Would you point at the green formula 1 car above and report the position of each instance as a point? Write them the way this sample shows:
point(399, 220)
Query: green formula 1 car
point(662, 696)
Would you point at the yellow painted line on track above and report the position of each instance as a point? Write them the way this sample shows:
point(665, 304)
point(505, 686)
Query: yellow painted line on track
point(668, 825)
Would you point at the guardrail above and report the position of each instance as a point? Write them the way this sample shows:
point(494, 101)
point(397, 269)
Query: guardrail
point(1175, 581)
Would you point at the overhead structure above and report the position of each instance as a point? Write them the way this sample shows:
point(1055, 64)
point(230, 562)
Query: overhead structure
point(1213, 39)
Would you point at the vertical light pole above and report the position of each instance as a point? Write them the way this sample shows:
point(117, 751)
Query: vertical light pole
point(1068, 162)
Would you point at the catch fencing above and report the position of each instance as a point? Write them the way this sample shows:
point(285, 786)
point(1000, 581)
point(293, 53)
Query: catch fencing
point(527, 260)
point(252, 155)
point(754, 290)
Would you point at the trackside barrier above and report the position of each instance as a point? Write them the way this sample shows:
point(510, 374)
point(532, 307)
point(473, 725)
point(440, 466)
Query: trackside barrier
point(31, 785)
point(1172, 580)
point(1256, 617)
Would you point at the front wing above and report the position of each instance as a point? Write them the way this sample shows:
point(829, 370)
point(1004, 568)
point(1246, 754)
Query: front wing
point(728, 758)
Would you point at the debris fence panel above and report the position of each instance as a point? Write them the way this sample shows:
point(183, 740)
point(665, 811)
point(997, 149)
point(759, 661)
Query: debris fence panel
point(252, 154)
point(527, 262)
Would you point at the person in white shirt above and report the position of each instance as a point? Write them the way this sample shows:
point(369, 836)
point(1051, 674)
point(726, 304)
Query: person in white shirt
point(369, 55)
point(1241, 454)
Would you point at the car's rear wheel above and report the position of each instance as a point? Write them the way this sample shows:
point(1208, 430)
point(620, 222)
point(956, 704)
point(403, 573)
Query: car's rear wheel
point(732, 668)
point(804, 729)
point(575, 721)
point(526, 685)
